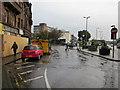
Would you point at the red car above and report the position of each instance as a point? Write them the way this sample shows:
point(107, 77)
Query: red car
point(32, 51)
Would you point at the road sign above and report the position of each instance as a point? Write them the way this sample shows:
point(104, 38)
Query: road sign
point(114, 30)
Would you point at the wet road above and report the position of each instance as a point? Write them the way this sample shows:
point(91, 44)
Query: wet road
point(66, 69)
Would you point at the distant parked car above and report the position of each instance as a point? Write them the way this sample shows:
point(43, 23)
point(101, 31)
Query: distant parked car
point(118, 45)
point(32, 51)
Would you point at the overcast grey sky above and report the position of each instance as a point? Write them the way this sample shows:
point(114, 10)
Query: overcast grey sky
point(68, 15)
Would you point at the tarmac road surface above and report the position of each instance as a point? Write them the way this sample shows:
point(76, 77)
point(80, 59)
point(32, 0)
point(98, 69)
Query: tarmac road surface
point(65, 69)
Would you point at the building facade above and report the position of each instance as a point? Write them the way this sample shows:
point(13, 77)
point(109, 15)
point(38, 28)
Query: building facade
point(66, 35)
point(15, 25)
point(16, 18)
point(43, 27)
point(40, 27)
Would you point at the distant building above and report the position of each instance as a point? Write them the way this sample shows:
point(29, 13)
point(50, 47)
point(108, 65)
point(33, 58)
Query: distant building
point(40, 27)
point(66, 35)
point(43, 27)
point(36, 28)
point(49, 29)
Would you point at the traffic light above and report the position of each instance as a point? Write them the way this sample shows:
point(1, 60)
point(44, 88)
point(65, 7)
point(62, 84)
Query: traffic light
point(113, 36)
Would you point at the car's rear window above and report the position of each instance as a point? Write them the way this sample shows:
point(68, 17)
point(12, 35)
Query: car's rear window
point(30, 48)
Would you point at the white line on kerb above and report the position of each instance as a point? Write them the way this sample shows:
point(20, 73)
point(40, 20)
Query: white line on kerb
point(33, 79)
point(23, 63)
point(22, 73)
point(26, 72)
point(26, 67)
point(19, 76)
point(46, 79)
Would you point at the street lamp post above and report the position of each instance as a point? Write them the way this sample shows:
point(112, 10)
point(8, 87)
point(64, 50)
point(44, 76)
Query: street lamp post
point(86, 25)
point(100, 35)
point(96, 32)
point(83, 41)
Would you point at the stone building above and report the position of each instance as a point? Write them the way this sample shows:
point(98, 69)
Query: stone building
point(16, 18)
point(40, 27)
point(15, 25)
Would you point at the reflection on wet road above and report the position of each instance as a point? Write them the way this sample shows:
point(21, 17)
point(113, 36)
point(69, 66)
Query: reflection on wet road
point(73, 69)
point(67, 69)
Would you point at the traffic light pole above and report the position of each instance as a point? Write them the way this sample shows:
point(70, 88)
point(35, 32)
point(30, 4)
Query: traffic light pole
point(113, 33)
point(113, 45)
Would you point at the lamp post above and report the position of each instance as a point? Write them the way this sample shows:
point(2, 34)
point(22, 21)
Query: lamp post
point(96, 32)
point(100, 35)
point(83, 37)
point(86, 25)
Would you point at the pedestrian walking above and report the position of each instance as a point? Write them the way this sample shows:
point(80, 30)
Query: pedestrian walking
point(14, 47)
point(67, 47)
point(77, 45)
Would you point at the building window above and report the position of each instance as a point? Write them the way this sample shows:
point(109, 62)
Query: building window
point(6, 16)
point(18, 22)
point(21, 23)
point(14, 20)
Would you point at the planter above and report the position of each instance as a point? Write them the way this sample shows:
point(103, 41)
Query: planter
point(92, 48)
point(104, 51)
point(85, 46)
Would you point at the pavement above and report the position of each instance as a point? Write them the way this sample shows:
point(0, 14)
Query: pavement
point(109, 57)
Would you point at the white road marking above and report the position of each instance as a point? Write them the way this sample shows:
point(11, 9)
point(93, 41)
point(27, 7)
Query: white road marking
point(23, 63)
point(16, 81)
point(19, 76)
point(26, 72)
point(46, 79)
point(33, 79)
point(26, 67)
point(22, 73)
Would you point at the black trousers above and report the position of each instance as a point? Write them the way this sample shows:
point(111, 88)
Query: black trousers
point(14, 50)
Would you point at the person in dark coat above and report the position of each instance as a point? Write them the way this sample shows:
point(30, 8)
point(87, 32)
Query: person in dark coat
point(67, 47)
point(14, 47)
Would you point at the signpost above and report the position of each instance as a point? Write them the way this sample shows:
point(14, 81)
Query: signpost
point(113, 36)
